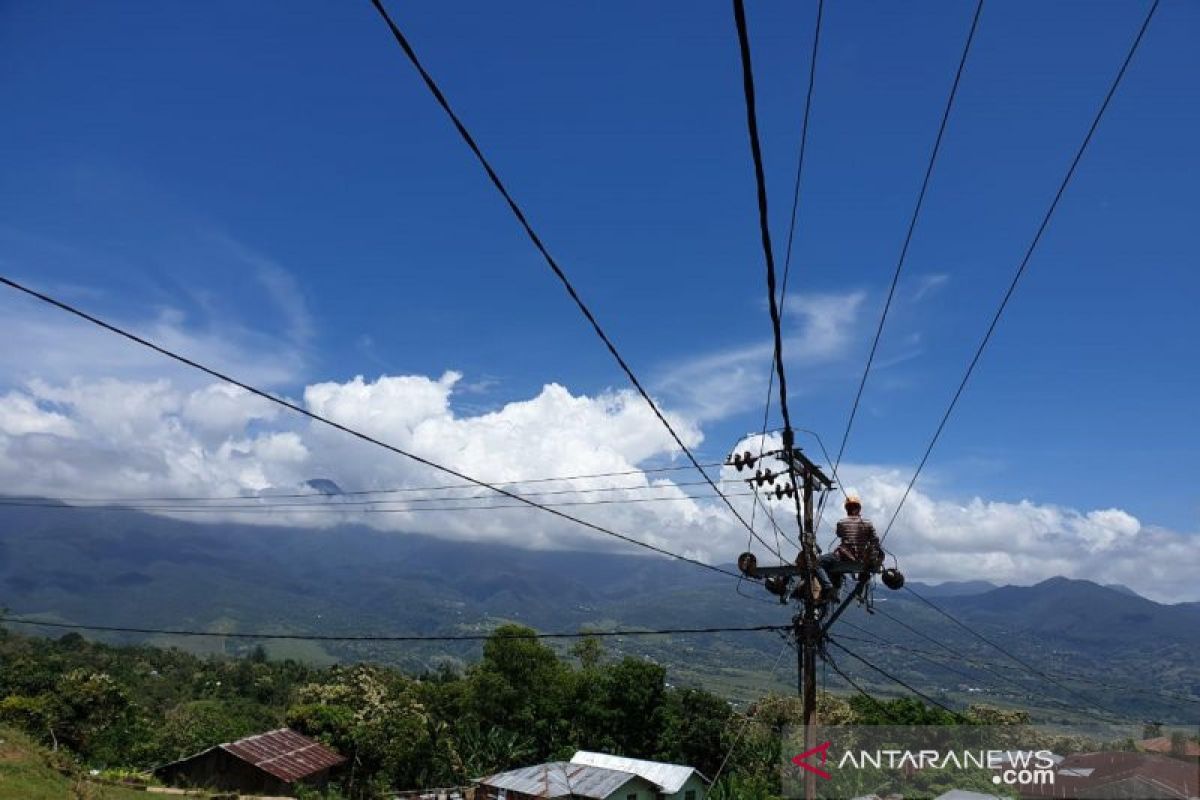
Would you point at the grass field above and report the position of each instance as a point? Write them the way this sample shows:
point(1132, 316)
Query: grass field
point(26, 773)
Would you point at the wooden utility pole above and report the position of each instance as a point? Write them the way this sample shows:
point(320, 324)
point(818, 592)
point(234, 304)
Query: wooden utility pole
point(807, 628)
point(806, 478)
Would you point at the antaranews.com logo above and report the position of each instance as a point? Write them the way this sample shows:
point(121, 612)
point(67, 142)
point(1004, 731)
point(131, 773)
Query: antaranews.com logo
point(1011, 767)
point(857, 761)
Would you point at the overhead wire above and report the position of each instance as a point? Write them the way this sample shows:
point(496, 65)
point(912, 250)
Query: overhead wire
point(760, 184)
point(345, 507)
point(787, 261)
point(313, 637)
point(1028, 667)
point(327, 498)
point(409, 489)
point(551, 262)
point(932, 657)
point(70, 309)
point(830, 661)
point(899, 681)
point(787, 645)
point(1020, 271)
point(912, 226)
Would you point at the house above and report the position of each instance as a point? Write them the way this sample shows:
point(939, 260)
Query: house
point(674, 781)
point(1162, 744)
point(560, 779)
point(966, 794)
point(268, 763)
point(1120, 775)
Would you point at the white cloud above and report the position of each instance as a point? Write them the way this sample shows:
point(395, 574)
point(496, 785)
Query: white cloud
point(820, 328)
point(1025, 542)
point(128, 438)
point(44, 343)
point(20, 415)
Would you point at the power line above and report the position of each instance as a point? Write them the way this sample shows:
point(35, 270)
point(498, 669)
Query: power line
point(931, 657)
point(1006, 653)
point(469, 140)
point(760, 182)
point(327, 498)
point(880, 707)
point(408, 489)
point(345, 507)
point(896, 680)
point(912, 226)
point(312, 637)
point(746, 720)
point(1112, 90)
point(787, 259)
point(985, 667)
point(345, 429)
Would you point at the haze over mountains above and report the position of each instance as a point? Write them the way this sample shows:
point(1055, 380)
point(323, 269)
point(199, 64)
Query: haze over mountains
point(134, 570)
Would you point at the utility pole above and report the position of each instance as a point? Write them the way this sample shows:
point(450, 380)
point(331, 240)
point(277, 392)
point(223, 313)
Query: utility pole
point(807, 628)
point(805, 478)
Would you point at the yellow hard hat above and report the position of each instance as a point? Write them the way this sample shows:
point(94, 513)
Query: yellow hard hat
point(852, 500)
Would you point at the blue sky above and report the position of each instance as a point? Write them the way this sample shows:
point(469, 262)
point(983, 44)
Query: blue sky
point(271, 172)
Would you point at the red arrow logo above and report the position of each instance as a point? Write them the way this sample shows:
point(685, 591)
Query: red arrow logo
point(802, 759)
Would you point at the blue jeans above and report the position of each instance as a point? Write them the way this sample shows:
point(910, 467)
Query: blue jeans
point(824, 561)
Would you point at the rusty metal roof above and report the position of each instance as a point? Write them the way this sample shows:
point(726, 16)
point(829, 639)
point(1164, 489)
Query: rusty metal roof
point(284, 753)
point(1103, 774)
point(561, 779)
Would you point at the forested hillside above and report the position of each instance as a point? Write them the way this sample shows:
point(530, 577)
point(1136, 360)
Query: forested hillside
point(131, 708)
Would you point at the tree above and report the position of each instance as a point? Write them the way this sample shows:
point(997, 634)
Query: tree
point(194, 726)
point(589, 651)
point(521, 685)
point(694, 729)
point(633, 694)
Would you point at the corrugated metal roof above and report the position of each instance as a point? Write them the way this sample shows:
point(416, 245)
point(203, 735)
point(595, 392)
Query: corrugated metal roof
point(284, 753)
point(560, 779)
point(670, 778)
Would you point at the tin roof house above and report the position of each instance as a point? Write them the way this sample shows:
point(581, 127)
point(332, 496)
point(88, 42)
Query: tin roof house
point(596, 776)
point(674, 781)
point(560, 779)
point(268, 763)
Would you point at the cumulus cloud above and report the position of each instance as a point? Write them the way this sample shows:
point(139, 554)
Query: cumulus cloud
point(1025, 542)
point(131, 438)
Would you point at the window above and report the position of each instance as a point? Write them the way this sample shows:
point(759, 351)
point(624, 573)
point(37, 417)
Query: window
point(690, 794)
point(631, 797)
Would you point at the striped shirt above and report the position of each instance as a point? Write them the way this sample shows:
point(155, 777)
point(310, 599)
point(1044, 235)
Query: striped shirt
point(858, 541)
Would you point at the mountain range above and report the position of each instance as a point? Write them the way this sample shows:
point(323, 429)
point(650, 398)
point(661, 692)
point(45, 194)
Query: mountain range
point(1069, 649)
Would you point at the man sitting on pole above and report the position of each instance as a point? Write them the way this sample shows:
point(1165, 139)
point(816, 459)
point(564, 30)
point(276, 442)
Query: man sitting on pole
point(857, 542)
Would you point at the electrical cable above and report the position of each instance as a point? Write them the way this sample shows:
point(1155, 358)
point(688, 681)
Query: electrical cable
point(992, 670)
point(348, 507)
point(898, 681)
point(931, 656)
point(746, 721)
point(469, 140)
point(912, 226)
point(348, 430)
point(1041, 229)
point(407, 489)
point(469, 637)
point(880, 707)
point(760, 182)
point(1029, 667)
point(787, 261)
point(331, 499)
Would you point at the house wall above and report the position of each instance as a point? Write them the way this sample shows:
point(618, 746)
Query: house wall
point(693, 784)
point(217, 769)
point(638, 789)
